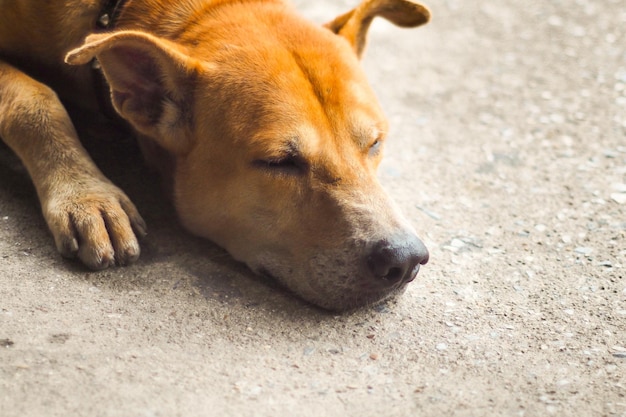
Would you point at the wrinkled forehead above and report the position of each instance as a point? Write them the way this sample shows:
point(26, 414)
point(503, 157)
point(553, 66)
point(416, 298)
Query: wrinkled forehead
point(294, 75)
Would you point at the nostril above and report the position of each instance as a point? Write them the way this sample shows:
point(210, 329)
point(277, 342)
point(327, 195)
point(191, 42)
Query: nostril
point(394, 274)
point(397, 261)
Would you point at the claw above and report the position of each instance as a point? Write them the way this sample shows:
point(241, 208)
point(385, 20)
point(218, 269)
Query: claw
point(99, 226)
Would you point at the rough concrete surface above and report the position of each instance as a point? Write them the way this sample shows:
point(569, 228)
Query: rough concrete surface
point(507, 152)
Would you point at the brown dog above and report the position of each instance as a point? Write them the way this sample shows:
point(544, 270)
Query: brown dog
point(263, 123)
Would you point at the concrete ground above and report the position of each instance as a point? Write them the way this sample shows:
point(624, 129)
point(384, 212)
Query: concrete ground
point(508, 153)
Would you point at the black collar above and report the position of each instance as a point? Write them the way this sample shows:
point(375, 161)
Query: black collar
point(107, 18)
point(109, 14)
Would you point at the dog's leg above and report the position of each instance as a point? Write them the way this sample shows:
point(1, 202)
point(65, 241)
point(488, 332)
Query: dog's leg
point(88, 216)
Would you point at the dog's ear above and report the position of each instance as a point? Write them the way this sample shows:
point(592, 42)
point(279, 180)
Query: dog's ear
point(150, 80)
point(354, 25)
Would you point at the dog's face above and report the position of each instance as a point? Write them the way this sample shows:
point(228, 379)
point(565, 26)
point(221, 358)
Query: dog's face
point(276, 137)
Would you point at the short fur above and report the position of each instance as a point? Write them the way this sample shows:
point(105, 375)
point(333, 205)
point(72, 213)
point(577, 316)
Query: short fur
point(263, 123)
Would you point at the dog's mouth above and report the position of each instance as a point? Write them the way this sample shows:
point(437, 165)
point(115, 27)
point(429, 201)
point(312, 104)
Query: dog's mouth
point(357, 274)
point(339, 298)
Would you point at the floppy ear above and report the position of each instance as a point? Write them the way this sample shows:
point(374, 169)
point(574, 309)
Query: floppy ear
point(354, 25)
point(150, 81)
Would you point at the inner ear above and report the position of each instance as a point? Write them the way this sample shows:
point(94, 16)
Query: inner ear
point(138, 85)
point(355, 24)
point(150, 81)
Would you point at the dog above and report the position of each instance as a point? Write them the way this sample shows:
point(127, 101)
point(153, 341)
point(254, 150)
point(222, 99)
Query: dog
point(262, 123)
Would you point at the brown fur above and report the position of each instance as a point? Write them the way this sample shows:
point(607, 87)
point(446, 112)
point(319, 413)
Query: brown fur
point(268, 127)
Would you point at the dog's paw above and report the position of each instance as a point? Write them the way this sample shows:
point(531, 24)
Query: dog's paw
point(96, 223)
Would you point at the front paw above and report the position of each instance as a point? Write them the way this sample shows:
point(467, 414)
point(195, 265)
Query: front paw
point(96, 223)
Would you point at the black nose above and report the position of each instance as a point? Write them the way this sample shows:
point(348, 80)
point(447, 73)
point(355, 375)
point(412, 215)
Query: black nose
point(397, 260)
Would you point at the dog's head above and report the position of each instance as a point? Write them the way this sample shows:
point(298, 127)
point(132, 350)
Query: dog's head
point(275, 136)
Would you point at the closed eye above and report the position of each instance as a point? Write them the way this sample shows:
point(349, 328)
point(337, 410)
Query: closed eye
point(375, 147)
point(287, 165)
